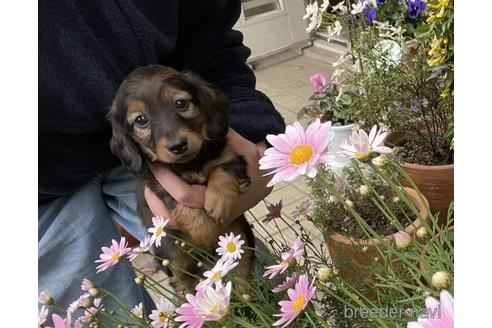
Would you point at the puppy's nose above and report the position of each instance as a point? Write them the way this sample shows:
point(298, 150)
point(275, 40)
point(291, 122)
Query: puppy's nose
point(178, 146)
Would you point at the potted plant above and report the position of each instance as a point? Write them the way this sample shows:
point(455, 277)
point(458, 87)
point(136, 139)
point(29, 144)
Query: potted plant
point(359, 193)
point(404, 85)
point(330, 103)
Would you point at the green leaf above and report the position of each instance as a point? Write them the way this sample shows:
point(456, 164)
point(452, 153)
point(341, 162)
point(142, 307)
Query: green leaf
point(422, 32)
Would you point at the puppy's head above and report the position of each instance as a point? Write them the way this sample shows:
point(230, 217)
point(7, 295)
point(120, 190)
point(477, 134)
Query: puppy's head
point(163, 115)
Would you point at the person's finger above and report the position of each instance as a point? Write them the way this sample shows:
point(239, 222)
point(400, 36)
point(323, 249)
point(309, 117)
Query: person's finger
point(158, 208)
point(180, 190)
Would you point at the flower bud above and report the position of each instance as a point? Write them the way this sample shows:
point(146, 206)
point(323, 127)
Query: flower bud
point(138, 281)
point(396, 199)
point(325, 274)
point(364, 249)
point(349, 203)
point(247, 297)
point(364, 190)
point(85, 303)
point(165, 262)
point(199, 264)
point(441, 279)
point(93, 292)
point(421, 232)
point(176, 242)
point(402, 240)
point(380, 161)
point(183, 244)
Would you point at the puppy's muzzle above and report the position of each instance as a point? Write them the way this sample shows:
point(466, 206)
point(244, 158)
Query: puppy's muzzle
point(178, 146)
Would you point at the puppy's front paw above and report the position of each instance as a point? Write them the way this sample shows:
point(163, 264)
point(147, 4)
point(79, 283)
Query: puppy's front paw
point(219, 205)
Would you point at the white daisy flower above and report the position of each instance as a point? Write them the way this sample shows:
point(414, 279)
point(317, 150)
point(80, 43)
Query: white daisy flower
point(362, 146)
point(138, 310)
point(230, 247)
point(157, 230)
point(160, 317)
point(221, 268)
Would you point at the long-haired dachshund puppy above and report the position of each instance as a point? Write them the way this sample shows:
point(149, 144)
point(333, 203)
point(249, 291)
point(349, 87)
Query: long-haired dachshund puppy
point(177, 120)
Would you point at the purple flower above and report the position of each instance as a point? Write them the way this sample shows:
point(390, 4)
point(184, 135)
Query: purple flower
point(415, 8)
point(398, 109)
point(370, 13)
point(380, 2)
point(415, 106)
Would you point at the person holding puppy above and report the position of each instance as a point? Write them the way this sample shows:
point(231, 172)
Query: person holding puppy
point(86, 49)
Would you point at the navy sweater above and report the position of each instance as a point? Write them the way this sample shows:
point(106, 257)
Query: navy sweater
point(86, 49)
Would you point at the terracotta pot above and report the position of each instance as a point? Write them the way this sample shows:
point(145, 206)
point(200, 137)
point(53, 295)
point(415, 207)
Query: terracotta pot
point(347, 254)
point(436, 182)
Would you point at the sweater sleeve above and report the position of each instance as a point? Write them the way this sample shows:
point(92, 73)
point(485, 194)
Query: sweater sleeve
point(208, 46)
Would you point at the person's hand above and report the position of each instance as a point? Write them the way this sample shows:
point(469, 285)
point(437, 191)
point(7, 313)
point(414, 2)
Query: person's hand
point(194, 195)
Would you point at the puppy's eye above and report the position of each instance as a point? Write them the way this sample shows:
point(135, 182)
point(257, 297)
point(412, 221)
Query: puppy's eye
point(181, 104)
point(141, 120)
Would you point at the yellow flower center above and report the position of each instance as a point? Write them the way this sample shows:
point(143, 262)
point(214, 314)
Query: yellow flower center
point(301, 154)
point(216, 276)
point(231, 247)
point(298, 303)
point(214, 309)
point(116, 256)
point(159, 231)
point(363, 156)
point(162, 317)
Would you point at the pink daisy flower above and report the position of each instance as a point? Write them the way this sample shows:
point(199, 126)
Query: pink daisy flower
point(157, 230)
point(45, 298)
point(303, 210)
point(160, 316)
point(274, 211)
point(87, 285)
point(142, 248)
point(289, 281)
point(299, 297)
point(287, 259)
point(439, 313)
point(112, 255)
point(209, 304)
point(42, 315)
point(82, 301)
point(91, 312)
point(221, 268)
point(318, 81)
point(362, 146)
point(59, 322)
point(230, 247)
point(297, 152)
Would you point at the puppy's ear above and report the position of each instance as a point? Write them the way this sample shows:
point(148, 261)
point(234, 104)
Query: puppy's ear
point(121, 144)
point(214, 104)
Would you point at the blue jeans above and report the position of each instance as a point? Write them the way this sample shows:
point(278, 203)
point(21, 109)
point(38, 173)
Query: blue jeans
point(72, 229)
